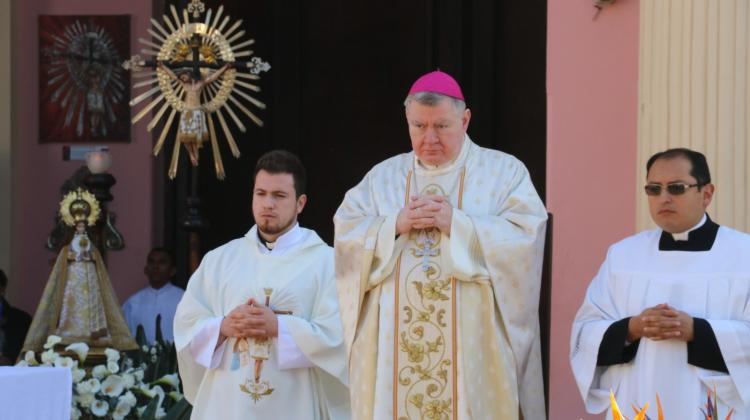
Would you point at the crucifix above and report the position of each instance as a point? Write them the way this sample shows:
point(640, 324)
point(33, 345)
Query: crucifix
point(426, 249)
point(193, 67)
point(198, 71)
point(201, 49)
point(259, 349)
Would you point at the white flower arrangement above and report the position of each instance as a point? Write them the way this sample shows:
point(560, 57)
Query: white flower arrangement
point(30, 358)
point(126, 386)
point(78, 375)
point(99, 408)
point(128, 380)
point(121, 410)
point(66, 362)
point(80, 349)
point(128, 398)
point(48, 357)
point(93, 385)
point(100, 372)
point(113, 367)
point(113, 386)
point(112, 355)
point(172, 379)
point(52, 341)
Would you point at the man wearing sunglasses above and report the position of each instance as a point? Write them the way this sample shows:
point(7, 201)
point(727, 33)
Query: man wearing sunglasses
point(669, 311)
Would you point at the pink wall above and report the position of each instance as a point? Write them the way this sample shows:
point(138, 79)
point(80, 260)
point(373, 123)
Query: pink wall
point(39, 171)
point(592, 92)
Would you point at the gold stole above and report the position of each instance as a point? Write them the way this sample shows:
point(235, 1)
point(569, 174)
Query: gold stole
point(424, 346)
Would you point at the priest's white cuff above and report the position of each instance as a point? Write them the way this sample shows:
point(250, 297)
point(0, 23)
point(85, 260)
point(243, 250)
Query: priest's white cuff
point(288, 353)
point(203, 345)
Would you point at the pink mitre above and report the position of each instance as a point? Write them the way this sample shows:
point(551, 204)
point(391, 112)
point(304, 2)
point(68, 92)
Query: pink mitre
point(437, 82)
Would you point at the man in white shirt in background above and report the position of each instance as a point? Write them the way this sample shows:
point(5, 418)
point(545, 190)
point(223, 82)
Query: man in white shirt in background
point(160, 297)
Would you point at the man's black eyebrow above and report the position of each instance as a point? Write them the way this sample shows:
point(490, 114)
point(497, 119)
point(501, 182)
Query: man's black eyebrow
point(670, 182)
point(270, 191)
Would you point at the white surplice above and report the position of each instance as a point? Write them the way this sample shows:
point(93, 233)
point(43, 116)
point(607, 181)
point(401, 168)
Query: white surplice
point(713, 285)
point(494, 252)
point(303, 282)
point(145, 305)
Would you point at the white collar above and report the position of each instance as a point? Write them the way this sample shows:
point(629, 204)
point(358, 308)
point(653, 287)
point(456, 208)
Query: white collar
point(283, 243)
point(683, 236)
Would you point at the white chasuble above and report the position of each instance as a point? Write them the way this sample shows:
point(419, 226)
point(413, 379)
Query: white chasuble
point(443, 326)
point(301, 282)
point(713, 285)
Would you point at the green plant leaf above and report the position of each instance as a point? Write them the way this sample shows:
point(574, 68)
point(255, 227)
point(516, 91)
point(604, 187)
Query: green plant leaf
point(180, 411)
point(150, 412)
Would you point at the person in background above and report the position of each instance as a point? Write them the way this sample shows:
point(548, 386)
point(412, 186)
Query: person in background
point(14, 324)
point(160, 297)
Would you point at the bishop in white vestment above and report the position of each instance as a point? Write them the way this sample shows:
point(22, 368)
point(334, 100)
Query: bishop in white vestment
point(669, 311)
point(299, 373)
point(440, 317)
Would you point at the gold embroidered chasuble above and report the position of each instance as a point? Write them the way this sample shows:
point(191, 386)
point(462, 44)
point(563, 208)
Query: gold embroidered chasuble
point(443, 326)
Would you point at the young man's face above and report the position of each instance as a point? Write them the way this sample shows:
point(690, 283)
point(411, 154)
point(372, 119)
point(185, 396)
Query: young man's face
point(677, 213)
point(159, 268)
point(275, 203)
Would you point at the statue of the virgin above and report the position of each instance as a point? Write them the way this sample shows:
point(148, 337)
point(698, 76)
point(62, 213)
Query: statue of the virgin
point(79, 303)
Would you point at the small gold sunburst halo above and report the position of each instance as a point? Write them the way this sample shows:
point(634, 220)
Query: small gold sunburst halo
point(202, 69)
point(79, 206)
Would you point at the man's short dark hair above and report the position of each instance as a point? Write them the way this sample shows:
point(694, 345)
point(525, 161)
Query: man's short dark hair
point(699, 166)
point(168, 252)
point(283, 162)
point(3, 279)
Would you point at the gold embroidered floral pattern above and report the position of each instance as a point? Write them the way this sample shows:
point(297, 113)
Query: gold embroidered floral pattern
point(424, 371)
point(435, 288)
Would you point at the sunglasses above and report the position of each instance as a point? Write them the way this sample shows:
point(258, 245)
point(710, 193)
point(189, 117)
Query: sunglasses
point(677, 188)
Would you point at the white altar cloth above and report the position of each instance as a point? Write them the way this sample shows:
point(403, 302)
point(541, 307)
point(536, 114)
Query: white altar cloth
point(35, 393)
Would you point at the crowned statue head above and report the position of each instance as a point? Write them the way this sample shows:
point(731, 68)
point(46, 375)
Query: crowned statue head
point(79, 209)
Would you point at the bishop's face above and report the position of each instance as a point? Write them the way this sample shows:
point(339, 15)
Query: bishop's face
point(677, 213)
point(436, 132)
point(275, 204)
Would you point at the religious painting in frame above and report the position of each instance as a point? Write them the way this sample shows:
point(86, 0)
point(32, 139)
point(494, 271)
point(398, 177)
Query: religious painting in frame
point(83, 88)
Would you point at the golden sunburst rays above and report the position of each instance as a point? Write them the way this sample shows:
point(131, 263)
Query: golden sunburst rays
point(225, 98)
